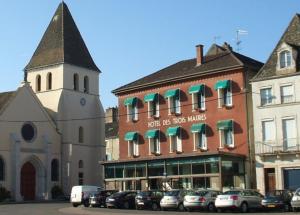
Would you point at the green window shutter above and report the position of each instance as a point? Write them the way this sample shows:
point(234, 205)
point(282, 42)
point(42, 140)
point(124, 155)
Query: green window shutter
point(225, 125)
point(196, 88)
point(150, 97)
point(223, 84)
point(152, 133)
point(199, 127)
point(130, 101)
point(172, 93)
point(130, 136)
point(172, 131)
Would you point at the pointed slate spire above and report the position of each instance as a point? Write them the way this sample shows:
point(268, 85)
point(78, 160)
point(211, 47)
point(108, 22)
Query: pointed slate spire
point(62, 43)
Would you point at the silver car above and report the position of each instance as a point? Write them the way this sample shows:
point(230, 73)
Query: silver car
point(295, 202)
point(201, 199)
point(173, 200)
point(241, 200)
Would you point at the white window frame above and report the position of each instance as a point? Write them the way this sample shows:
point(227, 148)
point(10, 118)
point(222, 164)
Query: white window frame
point(229, 97)
point(293, 93)
point(173, 108)
point(295, 129)
point(261, 100)
point(150, 108)
point(263, 129)
point(151, 145)
point(285, 51)
point(196, 136)
point(175, 143)
point(135, 148)
point(222, 138)
point(132, 112)
point(195, 101)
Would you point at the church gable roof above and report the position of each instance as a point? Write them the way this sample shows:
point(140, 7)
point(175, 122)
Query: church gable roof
point(62, 43)
point(5, 97)
point(291, 37)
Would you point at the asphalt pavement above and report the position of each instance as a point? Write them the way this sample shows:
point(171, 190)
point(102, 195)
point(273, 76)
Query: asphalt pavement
point(66, 208)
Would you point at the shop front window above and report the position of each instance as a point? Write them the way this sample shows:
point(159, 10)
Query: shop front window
point(185, 168)
point(129, 171)
point(109, 172)
point(198, 168)
point(156, 169)
point(233, 174)
point(201, 182)
point(119, 171)
point(172, 167)
point(140, 170)
point(212, 167)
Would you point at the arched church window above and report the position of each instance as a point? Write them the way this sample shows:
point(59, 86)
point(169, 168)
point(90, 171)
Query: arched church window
point(54, 170)
point(49, 81)
point(38, 83)
point(80, 164)
point(2, 169)
point(75, 82)
point(86, 84)
point(80, 134)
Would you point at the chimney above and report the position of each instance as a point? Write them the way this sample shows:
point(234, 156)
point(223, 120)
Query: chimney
point(199, 51)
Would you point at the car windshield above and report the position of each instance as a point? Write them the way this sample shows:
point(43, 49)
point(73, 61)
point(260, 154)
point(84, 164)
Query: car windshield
point(274, 193)
point(172, 193)
point(144, 193)
point(232, 192)
point(196, 193)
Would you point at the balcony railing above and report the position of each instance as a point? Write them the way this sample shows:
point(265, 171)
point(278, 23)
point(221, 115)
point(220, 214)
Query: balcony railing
point(290, 145)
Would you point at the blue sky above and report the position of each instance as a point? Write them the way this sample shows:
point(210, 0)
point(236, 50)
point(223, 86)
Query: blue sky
point(129, 39)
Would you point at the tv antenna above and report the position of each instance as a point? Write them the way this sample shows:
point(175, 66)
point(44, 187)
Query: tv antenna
point(238, 41)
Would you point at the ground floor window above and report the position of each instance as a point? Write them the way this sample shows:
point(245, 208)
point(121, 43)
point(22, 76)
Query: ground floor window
point(201, 182)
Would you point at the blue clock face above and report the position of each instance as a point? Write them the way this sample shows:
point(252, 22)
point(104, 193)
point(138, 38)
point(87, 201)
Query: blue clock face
point(82, 101)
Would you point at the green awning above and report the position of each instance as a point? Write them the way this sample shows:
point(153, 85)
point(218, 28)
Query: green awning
point(172, 131)
point(150, 97)
point(196, 88)
point(152, 133)
point(222, 84)
point(198, 127)
point(172, 93)
point(225, 125)
point(130, 136)
point(130, 101)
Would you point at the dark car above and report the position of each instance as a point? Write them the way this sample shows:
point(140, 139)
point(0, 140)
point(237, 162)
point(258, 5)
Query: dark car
point(278, 199)
point(149, 199)
point(123, 199)
point(99, 199)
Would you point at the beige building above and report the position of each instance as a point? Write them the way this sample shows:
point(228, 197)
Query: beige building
point(276, 105)
point(112, 133)
point(52, 127)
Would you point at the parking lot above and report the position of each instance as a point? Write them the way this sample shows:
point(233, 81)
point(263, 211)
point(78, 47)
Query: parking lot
point(66, 208)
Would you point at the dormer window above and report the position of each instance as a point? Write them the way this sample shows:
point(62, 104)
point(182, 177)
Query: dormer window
point(285, 58)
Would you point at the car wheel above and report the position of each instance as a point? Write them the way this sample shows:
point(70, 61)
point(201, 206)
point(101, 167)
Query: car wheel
point(126, 205)
point(154, 207)
point(75, 205)
point(244, 207)
point(211, 207)
point(181, 207)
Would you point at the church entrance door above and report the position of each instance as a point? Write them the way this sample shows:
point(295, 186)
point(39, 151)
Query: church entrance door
point(28, 181)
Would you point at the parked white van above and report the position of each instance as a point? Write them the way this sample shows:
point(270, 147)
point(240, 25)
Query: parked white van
point(81, 194)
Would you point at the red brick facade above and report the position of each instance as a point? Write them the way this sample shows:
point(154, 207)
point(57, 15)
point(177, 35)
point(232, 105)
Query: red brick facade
point(212, 114)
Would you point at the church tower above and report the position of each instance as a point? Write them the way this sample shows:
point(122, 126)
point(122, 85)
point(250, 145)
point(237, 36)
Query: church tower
point(65, 78)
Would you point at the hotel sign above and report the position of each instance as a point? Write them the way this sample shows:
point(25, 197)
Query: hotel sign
point(176, 121)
